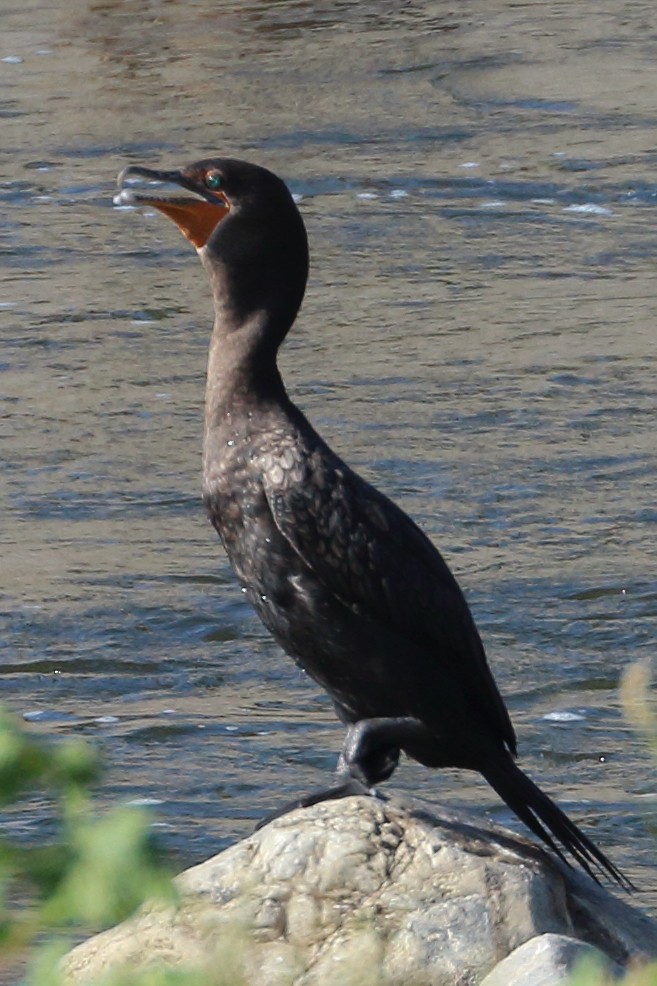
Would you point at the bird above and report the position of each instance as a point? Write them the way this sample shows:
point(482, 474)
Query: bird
point(347, 584)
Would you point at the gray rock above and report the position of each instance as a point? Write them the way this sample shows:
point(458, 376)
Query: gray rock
point(368, 892)
point(547, 960)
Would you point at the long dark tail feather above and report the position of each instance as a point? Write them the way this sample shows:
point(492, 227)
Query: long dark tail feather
point(549, 822)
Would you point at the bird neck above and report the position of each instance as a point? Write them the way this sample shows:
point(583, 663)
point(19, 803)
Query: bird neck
point(242, 371)
point(258, 266)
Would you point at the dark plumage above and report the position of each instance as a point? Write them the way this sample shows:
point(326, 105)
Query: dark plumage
point(348, 585)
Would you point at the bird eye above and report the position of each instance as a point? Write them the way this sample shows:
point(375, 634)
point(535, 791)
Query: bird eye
point(213, 180)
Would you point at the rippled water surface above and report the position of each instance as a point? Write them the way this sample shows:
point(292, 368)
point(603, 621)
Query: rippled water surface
point(478, 338)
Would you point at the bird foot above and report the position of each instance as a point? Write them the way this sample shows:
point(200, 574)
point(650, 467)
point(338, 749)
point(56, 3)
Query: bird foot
point(350, 787)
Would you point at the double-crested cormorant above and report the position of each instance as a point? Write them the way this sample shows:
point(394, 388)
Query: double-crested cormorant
point(348, 585)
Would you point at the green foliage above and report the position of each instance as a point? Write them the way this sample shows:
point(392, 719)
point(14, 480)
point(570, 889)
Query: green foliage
point(26, 765)
point(589, 974)
point(96, 871)
point(114, 854)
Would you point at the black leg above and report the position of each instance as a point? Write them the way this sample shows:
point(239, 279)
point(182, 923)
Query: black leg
point(372, 747)
point(369, 756)
point(349, 787)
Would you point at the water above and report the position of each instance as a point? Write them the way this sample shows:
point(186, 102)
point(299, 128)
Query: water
point(477, 338)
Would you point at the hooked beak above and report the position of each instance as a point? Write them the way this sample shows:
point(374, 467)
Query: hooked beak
point(196, 218)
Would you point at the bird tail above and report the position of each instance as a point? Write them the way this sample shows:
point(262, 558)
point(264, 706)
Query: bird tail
point(549, 822)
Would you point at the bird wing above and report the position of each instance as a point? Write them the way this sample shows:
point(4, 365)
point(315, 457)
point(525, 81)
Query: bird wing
point(376, 560)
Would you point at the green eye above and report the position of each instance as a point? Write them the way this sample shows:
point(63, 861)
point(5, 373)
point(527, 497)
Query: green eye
point(213, 180)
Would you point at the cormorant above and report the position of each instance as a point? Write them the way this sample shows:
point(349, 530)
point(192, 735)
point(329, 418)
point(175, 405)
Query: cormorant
point(344, 580)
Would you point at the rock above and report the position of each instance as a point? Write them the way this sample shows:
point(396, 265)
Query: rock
point(547, 960)
point(369, 892)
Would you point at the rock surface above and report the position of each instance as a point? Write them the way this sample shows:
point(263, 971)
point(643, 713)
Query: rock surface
point(370, 892)
point(547, 960)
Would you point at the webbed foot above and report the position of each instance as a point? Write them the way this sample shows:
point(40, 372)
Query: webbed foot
point(345, 790)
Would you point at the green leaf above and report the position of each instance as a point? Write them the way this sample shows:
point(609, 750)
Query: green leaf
point(112, 870)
